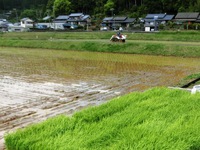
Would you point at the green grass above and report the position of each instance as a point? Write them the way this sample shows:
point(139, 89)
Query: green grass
point(131, 47)
point(159, 118)
point(188, 79)
point(184, 44)
point(193, 36)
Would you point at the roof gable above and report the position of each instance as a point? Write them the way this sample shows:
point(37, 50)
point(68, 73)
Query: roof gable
point(168, 17)
point(26, 19)
point(85, 17)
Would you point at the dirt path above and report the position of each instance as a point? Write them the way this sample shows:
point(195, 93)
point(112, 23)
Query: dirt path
point(33, 89)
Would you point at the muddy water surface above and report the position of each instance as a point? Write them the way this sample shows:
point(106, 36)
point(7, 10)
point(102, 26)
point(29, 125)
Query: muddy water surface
point(36, 84)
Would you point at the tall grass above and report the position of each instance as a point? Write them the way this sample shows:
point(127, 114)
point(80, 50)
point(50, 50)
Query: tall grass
point(133, 47)
point(164, 43)
point(157, 119)
point(186, 36)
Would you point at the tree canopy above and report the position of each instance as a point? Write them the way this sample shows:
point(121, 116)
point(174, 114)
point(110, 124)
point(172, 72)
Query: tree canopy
point(133, 8)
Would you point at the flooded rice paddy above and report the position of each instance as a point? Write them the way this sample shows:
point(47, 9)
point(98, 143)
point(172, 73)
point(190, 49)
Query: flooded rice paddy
point(36, 84)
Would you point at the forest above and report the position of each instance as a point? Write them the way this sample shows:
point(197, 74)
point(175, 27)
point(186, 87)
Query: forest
point(37, 9)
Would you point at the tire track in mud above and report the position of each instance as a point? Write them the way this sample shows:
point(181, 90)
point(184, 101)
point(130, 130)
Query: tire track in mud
point(29, 103)
point(38, 101)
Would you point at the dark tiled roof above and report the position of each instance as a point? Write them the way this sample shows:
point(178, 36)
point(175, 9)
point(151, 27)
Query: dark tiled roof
point(165, 17)
point(119, 18)
point(151, 16)
point(62, 17)
point(108, 19)
point(185, 15)
point(76, 14)
point(72, 20)
point(85, 17)
point(168, 17)
point(130, 20)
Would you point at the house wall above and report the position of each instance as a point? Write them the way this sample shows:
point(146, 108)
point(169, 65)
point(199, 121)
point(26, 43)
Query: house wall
point(27, 24)
point(17, 29)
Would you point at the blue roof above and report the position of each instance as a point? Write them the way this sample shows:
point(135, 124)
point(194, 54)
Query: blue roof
point(168, 17)
point(151, 16)
point(161, 17)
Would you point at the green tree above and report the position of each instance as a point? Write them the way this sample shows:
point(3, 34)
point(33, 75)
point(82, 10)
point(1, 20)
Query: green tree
point(61, 7)
point(30, 13)
point(107, 7)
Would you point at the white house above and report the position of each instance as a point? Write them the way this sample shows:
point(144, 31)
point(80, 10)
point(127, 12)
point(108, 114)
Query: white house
point(27, 23)
point(17, 29)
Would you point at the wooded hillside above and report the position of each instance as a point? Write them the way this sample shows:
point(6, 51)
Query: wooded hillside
point(97, 8)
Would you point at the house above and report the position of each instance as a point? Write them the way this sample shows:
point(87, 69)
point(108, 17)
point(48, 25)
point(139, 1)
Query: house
point(79, 19)
point(116, 22)
point(27, 23)
point(16, 28)
point(3, 27)
point(61, 19)
point(187, 17)
point(72, 20)
point(152, 21)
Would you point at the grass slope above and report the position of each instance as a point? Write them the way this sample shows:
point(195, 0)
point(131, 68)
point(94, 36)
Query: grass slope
point(184, 44)
point(159, 118)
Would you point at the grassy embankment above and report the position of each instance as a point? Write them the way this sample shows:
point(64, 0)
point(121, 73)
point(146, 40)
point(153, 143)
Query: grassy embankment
point(157, 119)
point(182, 43)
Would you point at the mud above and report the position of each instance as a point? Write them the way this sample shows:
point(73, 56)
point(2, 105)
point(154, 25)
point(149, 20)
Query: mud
point(36, 85)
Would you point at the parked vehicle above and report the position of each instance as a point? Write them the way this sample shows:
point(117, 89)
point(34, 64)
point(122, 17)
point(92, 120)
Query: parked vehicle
point(41, 26)
point(104, 29)
point(120, 29)
point(74, 26)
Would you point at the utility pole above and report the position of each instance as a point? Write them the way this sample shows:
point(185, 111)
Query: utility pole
point(112, 9)
point(16, 14)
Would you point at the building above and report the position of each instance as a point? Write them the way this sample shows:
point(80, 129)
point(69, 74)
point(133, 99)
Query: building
point(61, 19)
point(152, 21)
point(17, 29)
point(27, 23)
point(113, 23)
point(187, 17)
point(73, 20)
